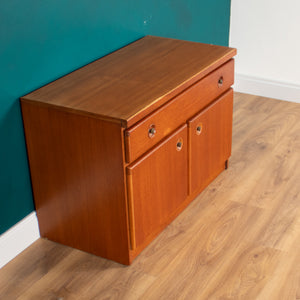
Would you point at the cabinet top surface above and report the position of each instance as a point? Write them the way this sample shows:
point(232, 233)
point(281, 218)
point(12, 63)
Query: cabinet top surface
point(131, 82)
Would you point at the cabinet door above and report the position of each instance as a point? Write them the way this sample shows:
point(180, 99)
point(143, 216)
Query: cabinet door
point(210, 141)
point(157, 185)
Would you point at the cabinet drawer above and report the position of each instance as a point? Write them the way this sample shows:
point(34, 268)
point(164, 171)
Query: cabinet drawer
point(157, 184)
point(145, 134)
point(210, 141)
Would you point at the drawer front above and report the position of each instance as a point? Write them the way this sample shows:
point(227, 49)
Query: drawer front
point(145, 134)
point(157, 184)
point(210, 141)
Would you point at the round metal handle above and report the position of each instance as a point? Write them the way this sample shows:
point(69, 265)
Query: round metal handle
point(199, 128)
point(179, 144)
point(220, 81)
point(151, 132)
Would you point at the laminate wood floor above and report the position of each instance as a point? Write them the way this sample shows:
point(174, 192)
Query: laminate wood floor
point(240, 239)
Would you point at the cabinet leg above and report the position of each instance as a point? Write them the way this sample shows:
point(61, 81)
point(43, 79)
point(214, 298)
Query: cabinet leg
point(226, 164)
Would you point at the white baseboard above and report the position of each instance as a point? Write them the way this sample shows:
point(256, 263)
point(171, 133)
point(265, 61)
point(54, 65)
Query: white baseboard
point(18, 238)
point(267, 88)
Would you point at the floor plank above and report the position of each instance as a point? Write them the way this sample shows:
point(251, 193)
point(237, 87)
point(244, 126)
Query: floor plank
point(239, 239)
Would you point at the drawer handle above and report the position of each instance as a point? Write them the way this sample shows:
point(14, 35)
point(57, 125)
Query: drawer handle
point(199, 129)
point(179, 144)
point(220, 81)
point(151, 131)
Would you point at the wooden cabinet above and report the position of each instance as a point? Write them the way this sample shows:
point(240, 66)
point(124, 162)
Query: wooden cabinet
point(118, 148)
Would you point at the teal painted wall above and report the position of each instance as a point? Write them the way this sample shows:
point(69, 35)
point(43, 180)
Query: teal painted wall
point(43, 40)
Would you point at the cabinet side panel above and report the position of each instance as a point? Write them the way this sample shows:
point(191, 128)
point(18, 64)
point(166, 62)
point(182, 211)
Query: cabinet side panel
point(77, 174)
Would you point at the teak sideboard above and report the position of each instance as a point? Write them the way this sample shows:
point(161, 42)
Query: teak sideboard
point(118, 148)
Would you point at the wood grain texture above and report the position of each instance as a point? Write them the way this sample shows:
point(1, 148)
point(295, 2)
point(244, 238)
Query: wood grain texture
point(159, 185)
point(78, 180)
point(210, 141)
point(176, 112)
point(238, 240)
point(148, 73)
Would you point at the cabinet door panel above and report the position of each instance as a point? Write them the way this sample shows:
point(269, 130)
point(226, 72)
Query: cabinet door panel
point(157, 185)
point(210, 135)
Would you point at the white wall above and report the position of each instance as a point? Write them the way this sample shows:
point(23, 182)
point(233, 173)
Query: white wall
point(267, 36)
point(18, 238)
